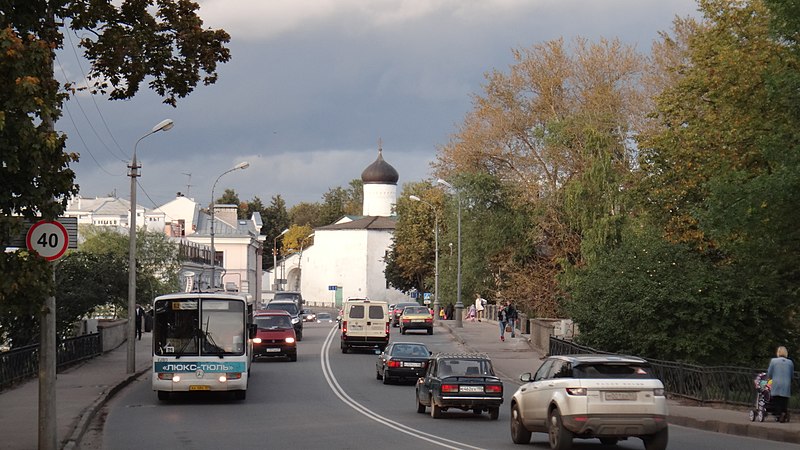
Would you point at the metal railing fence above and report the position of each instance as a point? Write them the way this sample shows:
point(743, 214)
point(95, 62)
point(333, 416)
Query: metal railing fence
point(22, 363)
point(704, 384)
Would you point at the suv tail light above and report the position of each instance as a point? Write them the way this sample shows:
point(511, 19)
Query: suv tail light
point(344, 327)
point(393, 364)
point(387, 327)
point(494, 389)
point(449, 388)
point(576, 391)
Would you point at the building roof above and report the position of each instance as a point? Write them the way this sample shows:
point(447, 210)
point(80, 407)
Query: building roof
point(365, 223)
point(380, 172)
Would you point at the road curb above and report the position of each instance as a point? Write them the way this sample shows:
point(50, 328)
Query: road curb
point(739, 429)
point(90, 411)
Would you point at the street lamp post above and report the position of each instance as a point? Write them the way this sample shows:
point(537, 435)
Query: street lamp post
point(436, 305)
point(275, 260)
point(459, 304)
point(164, 125)
point(240, 166)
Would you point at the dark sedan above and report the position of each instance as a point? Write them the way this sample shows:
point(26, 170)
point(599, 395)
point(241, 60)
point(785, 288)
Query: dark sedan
point(402, 360)
point(460, 381)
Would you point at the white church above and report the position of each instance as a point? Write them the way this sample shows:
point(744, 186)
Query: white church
point(348, 257)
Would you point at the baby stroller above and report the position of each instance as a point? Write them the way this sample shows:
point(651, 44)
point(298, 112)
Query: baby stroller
point(763, 406)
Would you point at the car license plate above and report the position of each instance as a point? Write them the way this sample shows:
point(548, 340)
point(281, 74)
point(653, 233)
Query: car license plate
point(412, 364)
point(199, 387)
point(614, 395)
point(418, 320)
point(470, 388)
point(273, 350)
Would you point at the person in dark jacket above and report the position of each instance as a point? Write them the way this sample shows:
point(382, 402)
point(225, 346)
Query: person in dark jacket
point(511, 312)
point(139, 321)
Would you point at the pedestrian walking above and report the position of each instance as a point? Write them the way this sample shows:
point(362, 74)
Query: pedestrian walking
point(511, 311)
point(139, 321)
point(502, 319)
point(480, 304)
point(449, 312)
point(781, 370)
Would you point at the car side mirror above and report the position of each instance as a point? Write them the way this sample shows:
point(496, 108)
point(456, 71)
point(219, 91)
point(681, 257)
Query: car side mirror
point(525, 377)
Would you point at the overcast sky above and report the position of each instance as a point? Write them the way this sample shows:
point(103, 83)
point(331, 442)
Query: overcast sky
point(312, 86)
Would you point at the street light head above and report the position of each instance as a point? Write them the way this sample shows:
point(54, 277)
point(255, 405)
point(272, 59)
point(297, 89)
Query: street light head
point(284, 232)
point(242, 165)
point(164, 125)
point(415, 198)
point(445, 183)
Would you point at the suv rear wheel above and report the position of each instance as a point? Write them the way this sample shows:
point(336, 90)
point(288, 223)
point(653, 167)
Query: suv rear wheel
point(560, 438)
point(657, 441)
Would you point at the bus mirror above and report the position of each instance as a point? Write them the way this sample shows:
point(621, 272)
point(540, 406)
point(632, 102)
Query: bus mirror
point(252, 330)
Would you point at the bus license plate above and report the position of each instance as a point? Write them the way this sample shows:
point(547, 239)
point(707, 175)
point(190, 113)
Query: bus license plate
point(199, 387)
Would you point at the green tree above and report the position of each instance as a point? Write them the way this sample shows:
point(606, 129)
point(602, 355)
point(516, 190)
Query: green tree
point(230, 197)
point(126, 42)
point(276, 219)
point(410, 262)
point(338, 202)
point(305, 213)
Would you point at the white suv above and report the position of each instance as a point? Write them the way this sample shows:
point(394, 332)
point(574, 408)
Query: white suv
point(591, 396)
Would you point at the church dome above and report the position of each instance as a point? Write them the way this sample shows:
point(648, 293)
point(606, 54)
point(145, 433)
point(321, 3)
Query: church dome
point(380, 172)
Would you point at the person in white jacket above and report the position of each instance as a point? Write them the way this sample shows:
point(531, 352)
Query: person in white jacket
point(480, 304)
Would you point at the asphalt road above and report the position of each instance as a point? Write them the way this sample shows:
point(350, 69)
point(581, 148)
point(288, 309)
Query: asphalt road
point(330, 400)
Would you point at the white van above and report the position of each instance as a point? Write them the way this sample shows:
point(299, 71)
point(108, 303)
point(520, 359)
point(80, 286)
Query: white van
point(365, 323)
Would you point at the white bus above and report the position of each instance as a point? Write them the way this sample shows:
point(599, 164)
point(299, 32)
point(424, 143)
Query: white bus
point(202, 342)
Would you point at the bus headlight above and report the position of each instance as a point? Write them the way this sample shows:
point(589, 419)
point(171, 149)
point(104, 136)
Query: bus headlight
point(222, 378)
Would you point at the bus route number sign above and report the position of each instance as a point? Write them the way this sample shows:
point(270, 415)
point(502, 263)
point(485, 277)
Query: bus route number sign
point(47, 239)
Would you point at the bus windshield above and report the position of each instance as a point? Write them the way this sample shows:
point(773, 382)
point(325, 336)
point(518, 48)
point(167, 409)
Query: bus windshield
point(197, 327)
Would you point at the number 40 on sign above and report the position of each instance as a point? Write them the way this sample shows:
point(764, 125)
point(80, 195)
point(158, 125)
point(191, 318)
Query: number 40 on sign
point(48, 239)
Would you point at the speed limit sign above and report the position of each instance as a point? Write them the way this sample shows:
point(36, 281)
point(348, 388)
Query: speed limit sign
point(47, 239)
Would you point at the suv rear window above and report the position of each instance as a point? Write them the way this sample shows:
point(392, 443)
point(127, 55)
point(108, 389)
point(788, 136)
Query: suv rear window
point(605, 370)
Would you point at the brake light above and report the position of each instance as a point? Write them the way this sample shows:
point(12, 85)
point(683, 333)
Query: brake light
point(449, 388)
point(406, 320)
point(344, 327)
point(387, 327)
point(494, 389)
point(428, 320)
point(576, 391)
point(392, 363)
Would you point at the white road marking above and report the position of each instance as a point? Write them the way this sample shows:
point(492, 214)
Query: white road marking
point(339, 391)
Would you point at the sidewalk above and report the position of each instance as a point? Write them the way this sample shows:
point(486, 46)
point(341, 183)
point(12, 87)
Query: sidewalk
point(80, 391)
point(515, 356)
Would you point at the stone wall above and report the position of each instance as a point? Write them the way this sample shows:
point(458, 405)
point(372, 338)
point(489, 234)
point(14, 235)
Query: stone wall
point(114, 333)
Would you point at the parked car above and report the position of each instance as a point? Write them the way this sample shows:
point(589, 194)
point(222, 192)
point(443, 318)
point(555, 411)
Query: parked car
point(402, 360)
point(591, 396)
point(461, 381)
point(398, 311)
point(324, 317)
point(308, 315)
point(416, 318)
point(275, 336)
point(291, 307)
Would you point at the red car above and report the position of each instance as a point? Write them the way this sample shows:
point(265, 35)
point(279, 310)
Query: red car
point(275, 336)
